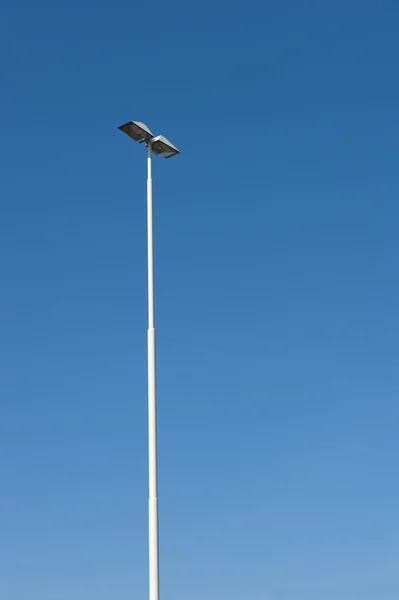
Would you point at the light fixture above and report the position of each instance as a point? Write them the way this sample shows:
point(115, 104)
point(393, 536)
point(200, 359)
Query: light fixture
point(137, 131)
point(162, 147)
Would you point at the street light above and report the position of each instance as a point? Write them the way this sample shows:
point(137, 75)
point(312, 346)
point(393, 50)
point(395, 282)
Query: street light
point(161, 147)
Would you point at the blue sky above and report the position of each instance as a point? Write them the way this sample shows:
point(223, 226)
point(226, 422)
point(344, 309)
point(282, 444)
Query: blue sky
point(276, 299)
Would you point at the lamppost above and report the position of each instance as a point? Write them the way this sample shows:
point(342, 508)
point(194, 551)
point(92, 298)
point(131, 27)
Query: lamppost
point(161, 147)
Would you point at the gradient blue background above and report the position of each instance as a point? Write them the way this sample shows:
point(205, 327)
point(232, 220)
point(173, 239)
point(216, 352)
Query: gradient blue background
point(277, 299)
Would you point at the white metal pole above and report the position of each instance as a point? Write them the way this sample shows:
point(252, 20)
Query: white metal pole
point(152, 416)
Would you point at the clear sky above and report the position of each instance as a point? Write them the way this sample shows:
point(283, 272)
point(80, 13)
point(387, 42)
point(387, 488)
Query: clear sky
point(276, 299)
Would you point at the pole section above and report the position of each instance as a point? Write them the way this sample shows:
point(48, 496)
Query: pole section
point(152, 416)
